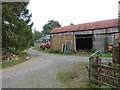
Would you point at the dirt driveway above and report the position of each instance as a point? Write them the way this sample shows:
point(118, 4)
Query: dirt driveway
point(39, 72)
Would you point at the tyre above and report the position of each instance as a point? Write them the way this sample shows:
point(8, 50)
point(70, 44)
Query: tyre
point(46, 48)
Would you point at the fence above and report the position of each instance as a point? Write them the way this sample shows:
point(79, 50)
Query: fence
point(116, 55)
point(107, 74)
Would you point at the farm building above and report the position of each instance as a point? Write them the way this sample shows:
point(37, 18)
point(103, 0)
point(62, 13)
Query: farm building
point(42, 41)
point(94, 35)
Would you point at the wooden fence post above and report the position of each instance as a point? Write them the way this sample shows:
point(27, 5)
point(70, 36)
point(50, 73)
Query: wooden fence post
point(108, 75)
point(119, 77)
point(90, 71)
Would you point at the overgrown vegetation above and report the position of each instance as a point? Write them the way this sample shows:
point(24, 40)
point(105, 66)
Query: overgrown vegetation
point(13, 50)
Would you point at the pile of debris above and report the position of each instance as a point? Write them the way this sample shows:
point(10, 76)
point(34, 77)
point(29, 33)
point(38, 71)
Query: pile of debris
point(8, 56)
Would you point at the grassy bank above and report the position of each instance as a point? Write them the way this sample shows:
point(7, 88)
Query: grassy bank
point(74, 77)
point(109, 55)
point(12, 63)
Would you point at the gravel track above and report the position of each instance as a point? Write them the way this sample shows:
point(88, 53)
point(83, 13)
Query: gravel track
point(39, 72)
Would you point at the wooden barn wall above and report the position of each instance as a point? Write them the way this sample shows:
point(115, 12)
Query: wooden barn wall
point(56, 42)
point(102, 41)
point(100, 38)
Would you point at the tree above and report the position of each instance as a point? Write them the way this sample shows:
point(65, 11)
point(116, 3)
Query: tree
point(50, 25)
point(16, 27)
point(71, 24)
point(36, 35)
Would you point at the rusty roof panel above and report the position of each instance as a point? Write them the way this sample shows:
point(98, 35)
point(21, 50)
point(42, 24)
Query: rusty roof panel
point(87, 26)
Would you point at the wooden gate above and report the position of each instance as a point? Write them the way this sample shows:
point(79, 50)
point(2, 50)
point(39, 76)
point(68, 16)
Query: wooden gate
point(107, 74)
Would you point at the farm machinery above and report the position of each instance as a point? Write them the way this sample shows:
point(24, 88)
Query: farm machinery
point(118, 41)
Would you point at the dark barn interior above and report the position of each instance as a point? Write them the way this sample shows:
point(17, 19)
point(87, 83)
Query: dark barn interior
point(83, 42)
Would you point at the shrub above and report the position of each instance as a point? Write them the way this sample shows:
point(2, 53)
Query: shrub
point(73, 52)
point(105, 86)
point(57, 51)
point(52, 51)
point(13, 50)
point(93, 50)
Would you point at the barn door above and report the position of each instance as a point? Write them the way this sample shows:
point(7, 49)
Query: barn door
point(68, 47)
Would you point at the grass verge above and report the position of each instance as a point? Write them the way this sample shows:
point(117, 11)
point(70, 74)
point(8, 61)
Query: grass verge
point(53, 51)
point(40, 49)
point(85, 54)
point(12, 63)
point(74, 77)
point(108, 55)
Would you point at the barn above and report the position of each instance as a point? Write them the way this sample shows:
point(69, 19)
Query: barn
point(93, 35)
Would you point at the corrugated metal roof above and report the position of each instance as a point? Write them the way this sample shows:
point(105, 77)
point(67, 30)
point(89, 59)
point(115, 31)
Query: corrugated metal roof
point(87, 26)
point(46, 37)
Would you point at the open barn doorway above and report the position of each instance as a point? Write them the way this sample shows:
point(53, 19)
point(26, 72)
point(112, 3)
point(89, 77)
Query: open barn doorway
point(83, 42)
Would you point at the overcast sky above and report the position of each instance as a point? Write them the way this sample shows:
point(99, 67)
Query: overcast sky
point(71, 11)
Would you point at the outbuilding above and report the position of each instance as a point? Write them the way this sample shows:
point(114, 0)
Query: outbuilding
point(94, 35)
point(42, 41)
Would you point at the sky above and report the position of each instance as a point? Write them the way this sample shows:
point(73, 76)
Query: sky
point(71, 11)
